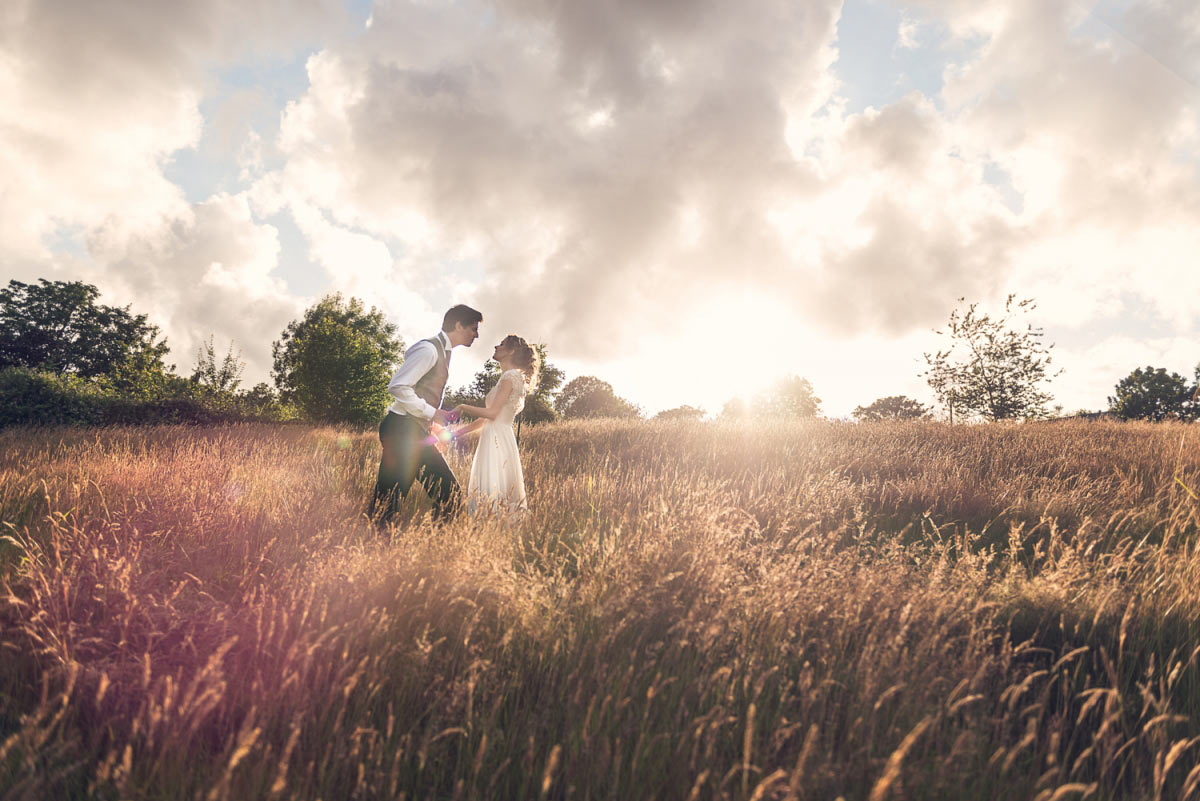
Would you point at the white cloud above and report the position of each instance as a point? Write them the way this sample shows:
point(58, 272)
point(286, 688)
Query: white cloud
point(561, 149)
point(207, 272)
point(907, 33)
point(360, 265)
point(1100, 137)
point(95, 97)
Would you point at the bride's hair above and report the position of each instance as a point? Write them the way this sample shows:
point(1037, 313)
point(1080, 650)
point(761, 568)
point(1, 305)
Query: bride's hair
point(523, 356)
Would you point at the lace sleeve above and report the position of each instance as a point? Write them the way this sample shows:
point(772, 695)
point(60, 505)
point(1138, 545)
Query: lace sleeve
point(516, 380)
point(516, 397)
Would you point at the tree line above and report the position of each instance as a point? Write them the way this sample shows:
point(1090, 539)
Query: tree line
point(67, 358)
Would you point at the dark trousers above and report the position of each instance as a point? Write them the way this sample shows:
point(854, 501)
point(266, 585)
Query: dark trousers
point(407, 455)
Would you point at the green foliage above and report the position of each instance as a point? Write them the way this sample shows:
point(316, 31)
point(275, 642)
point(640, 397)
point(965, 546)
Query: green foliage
point(128, 411)
point(334, 363)
point(57, 327)
point(991, 369)
point(214, 382)
point(339, 376)
point(792, 396)
point(141, 379)
point(67, 360)
point(35, 397)
point(539, 405)
point(893, 407)
point(1154, 394)
point(261, 402)
point(222, 377)
point(734, 409)
point(684, 412)
point(39, 398)
point(588, 396)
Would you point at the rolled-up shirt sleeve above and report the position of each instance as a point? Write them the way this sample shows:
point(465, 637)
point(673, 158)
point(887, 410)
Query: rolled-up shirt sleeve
point(420, 358)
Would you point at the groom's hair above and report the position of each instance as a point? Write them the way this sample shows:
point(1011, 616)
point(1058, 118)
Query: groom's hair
point(460, 315)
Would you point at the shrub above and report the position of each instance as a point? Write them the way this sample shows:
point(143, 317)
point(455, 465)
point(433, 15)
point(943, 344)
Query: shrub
point(131, 411)
point(37, 398)
point(34, 397)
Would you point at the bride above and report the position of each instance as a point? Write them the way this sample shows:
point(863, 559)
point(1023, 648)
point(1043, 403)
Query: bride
point(497, 482)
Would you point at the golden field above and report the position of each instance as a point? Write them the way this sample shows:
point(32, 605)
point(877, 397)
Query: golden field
point(807, 610)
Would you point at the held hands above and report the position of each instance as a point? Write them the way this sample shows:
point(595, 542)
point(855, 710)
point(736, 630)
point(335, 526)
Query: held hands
point(440, 431)
point(459, 412)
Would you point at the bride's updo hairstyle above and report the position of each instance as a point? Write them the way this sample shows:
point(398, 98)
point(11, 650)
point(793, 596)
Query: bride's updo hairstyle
point(523, 356)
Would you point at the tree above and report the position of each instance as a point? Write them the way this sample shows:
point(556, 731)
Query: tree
point(1153, 394)
point(792, 396)
point(58, 326)
point(734, 409)
point(539, 404)
point(262, 401)
point(990, 368)
point(335, 362)
point(588, 396)
point(143, 377)
point(223, 377)
point(684, 412)
point(893, 407)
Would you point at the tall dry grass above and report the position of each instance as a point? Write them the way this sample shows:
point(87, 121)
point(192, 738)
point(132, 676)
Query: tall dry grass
point(689, 611)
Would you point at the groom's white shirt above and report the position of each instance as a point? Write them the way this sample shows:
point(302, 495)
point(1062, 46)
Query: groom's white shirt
point(417, 362)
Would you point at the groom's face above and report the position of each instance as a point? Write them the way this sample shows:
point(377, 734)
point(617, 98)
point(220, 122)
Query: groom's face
point(466, 334)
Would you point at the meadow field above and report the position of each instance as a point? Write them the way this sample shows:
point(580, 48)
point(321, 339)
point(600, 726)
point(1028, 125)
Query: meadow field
point(806, 610)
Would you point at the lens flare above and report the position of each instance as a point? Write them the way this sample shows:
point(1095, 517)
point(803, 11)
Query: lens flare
point(440, 436)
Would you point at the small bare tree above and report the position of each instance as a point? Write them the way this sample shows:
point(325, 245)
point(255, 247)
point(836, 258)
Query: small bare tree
point(991, 368)
point(223, 376)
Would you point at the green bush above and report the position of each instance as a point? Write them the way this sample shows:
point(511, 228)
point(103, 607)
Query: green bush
point(32, 397)
point(37, 398)
point(263, 403)
point(130, 411)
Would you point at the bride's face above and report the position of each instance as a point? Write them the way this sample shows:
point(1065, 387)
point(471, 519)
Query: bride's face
point(500, 352)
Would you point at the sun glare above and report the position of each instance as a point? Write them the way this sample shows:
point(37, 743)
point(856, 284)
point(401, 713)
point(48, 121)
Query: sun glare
point(734, 341)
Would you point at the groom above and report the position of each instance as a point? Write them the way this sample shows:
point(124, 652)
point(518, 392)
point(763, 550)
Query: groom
point(408, 453)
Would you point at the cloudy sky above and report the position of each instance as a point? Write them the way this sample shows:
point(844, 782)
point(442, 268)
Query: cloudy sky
point(687, 198)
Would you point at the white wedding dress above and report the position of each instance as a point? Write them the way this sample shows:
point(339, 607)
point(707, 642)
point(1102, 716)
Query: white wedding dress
point(497, 482)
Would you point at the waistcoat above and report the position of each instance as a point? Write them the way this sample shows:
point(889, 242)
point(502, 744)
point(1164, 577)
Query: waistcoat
point(432, 385)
